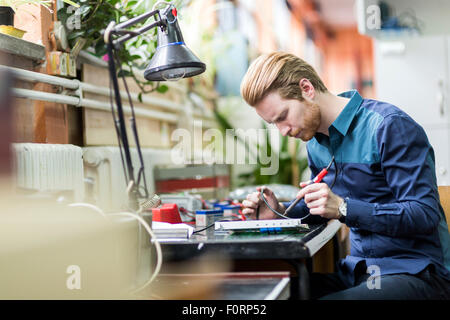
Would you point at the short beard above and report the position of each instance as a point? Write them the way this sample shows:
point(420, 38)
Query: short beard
point(312, 118)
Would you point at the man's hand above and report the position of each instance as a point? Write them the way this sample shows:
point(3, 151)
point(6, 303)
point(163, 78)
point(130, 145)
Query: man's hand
point(253, 201)
point(321, 200)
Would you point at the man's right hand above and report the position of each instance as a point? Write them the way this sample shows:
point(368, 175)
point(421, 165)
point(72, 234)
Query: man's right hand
point(253, 201)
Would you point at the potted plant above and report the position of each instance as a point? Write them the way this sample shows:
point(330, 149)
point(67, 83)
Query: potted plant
point(6, 16)
point(135, 54)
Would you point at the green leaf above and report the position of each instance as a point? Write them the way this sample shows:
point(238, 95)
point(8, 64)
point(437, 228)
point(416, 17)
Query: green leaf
point(124, 73)
point(139, 42)
point(100, 48)
point(135, 57)
point(162, 88)
point(63, 15)
point(140, 96)
point(131, 3)
point(74, 35)
point(84, 11)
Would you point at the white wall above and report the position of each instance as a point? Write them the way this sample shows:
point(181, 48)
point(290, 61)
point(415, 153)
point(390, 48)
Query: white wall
point(413, 74)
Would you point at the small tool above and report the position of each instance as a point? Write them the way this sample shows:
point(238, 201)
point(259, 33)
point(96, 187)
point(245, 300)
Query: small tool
point(316, 179)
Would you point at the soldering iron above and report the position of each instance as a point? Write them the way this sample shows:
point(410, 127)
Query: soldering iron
point(316, 179)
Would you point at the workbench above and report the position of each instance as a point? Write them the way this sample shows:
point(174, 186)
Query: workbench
point(295, 248)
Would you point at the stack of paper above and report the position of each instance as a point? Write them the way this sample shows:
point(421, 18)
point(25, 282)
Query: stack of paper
point(164, 230)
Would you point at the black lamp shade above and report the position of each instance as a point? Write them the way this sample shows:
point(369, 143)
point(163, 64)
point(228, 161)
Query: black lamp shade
point(172, 62)
point(173, 59)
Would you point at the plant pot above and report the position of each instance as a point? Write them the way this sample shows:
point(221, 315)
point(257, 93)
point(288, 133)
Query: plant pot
point(6, 16)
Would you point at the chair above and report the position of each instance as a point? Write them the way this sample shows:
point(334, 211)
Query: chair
point(444, 195)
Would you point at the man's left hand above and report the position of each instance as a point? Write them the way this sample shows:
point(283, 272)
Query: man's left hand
point(321, 200)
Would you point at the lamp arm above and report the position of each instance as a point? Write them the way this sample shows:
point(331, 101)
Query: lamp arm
point(111, 45)
point(121, 127)
point(135, 33)
point(121, 28)
point(114, 36)
point(131, 22)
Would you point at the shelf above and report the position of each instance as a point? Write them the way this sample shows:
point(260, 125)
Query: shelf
point(22, 48)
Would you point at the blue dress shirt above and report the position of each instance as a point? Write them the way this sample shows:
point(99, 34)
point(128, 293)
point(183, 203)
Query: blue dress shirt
point(386, 170)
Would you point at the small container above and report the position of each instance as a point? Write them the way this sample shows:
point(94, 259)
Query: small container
point(204, 218)
point(168, 212)
point(211, 203)
point(221, 205)
point(231, 210)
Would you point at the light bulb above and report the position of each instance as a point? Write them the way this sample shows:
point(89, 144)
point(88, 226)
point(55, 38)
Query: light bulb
point(173, 74)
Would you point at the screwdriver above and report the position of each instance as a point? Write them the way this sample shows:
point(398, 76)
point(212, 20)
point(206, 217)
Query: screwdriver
point(316, 179)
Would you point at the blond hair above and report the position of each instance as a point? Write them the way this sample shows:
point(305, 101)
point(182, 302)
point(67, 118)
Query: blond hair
point(281, 72)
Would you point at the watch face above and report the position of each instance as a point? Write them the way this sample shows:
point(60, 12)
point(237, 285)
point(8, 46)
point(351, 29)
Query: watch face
point(343, 208)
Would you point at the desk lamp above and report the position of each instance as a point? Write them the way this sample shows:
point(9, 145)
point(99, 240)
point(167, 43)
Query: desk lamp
point(172, 61)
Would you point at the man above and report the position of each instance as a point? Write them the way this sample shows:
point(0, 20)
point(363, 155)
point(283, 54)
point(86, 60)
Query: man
point(384, 183)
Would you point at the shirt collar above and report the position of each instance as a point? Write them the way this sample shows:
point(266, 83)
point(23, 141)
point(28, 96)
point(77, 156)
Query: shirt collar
point(345, 118)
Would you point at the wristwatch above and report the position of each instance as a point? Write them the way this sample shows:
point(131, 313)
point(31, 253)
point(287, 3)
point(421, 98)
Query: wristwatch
point(342, 211)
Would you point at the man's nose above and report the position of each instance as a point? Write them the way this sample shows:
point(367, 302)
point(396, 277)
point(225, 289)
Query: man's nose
point(284, 130)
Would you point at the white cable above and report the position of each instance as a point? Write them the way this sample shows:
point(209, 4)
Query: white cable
point(88, 205)
point(157, 246)
point(146, 226)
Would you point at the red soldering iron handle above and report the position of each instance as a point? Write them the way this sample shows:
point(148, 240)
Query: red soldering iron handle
point(316, 179)
point(320, 176)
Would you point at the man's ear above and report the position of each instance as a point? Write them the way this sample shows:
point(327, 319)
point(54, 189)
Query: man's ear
point(308, 91)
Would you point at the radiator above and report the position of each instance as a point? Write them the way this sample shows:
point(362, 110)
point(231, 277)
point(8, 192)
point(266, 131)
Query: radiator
point(49, 168)
point(104, 172)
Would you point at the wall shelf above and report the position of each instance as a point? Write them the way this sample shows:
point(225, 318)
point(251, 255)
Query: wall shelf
point(22, 48)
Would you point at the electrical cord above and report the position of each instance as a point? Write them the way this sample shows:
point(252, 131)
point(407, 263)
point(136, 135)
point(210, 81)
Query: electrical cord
point(88, 205)
point(336, 169)
point(141, 172)
point(212, 224)
point(268, 206)
point(116, 126)
point(281, 215)
point(187, 212)
point(203, 229)
point(159, 256)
